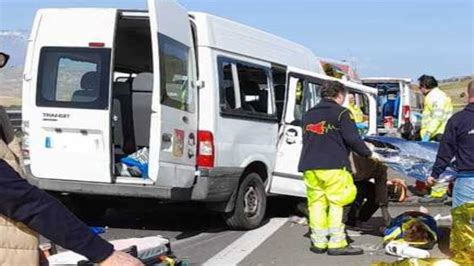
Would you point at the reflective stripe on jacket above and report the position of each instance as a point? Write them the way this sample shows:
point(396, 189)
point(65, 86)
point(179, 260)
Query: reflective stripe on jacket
point(436, 112)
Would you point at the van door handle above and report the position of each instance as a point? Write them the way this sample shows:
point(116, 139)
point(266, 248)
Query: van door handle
point(185, 119)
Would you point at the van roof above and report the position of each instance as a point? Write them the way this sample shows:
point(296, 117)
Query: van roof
point(386, 79)
point(231, 36)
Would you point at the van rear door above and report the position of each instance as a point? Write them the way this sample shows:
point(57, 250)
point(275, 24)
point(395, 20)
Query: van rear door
point(69, 127)
point(173, 135)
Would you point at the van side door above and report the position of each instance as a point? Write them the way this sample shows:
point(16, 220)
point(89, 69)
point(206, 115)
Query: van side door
point(173, 132)
point(303, 94)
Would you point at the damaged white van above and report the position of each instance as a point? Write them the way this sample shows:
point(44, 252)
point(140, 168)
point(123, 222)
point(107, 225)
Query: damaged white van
point(206, 96)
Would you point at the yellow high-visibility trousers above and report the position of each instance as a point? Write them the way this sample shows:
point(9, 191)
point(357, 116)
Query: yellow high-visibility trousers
point(328, 191)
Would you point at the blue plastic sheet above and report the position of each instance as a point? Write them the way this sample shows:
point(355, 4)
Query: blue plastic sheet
point(413, 159)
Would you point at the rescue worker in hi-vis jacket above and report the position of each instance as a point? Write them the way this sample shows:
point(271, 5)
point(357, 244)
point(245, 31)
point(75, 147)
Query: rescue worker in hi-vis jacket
point(438, 108)
point(329, 134)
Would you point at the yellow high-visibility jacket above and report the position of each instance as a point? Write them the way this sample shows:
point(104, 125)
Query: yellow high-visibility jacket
point(356, 112)
point(436, 112)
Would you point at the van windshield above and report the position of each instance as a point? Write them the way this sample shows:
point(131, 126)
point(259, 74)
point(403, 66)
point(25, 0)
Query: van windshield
point(73, 78)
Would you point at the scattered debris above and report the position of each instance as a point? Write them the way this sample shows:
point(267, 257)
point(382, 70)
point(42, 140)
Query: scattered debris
point(448, 218)
point(402, 249)
point(298, 220)
point(417, 262)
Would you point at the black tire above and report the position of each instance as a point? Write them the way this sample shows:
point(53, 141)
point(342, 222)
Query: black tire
point(250, 204)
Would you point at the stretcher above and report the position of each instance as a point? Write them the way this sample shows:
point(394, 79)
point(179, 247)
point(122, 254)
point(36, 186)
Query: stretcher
point(154, 250)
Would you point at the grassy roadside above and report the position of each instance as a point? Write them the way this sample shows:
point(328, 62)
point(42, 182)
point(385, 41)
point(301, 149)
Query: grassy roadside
point(10, 102)
point(455, 90)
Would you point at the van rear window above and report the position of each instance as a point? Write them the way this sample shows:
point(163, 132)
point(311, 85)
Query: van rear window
point(73, 78)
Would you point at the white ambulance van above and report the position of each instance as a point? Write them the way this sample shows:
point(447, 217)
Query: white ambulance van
point(399, 102)
point(203, 94)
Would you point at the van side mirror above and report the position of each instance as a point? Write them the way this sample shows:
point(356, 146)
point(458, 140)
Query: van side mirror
point(3, 59)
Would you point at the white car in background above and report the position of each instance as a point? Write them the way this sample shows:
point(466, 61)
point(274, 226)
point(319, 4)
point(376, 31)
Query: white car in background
point(399, 105)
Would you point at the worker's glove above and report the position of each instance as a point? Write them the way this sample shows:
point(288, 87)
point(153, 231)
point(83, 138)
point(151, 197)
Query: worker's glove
point(426, 138)
point(361, 125)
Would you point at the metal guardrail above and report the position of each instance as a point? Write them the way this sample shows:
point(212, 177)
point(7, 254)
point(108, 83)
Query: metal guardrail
point(15, 118)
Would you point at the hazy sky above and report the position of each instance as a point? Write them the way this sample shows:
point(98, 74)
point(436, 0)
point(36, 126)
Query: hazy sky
point(383, 38)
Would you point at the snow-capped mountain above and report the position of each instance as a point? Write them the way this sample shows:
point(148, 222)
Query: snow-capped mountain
point(14, 43)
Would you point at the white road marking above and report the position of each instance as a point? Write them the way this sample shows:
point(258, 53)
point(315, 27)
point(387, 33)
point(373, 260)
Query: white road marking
point(244, 245)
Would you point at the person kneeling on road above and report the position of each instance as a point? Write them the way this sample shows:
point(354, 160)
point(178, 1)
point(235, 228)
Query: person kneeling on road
point(329, 134)
point(370, 195)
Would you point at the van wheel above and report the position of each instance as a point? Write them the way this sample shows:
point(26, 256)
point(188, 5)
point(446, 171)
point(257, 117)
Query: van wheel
point(250, 205)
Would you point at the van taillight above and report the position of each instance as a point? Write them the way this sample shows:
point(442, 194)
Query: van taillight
point(205, 149)
point(406, 113)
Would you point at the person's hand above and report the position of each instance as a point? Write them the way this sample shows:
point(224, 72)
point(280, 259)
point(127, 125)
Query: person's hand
point(430, 181)
point(119, 258)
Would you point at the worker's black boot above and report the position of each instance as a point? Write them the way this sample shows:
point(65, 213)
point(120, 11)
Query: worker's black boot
point(387, 218)
point(348, 250)
point(318, 250)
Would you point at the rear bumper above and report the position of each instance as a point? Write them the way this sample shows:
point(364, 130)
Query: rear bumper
point(213, 185)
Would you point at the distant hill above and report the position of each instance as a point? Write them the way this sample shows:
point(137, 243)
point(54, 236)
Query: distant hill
point(14, 43)
point(456, 89)
point(10, 85)
point(457, 79)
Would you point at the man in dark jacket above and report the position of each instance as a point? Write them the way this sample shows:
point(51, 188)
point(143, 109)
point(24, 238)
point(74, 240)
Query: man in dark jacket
point(329, 135)
point(458, 142)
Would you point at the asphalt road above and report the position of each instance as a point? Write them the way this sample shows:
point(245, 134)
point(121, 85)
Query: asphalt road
point(201, 236)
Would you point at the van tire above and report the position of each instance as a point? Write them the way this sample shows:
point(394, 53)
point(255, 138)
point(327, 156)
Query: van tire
point(250, 204)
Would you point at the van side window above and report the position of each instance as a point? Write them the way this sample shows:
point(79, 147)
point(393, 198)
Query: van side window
point(73, 77)
point(279, 87)
point(245, 90)
point(228, 87)
point(254, 89)
point(358, 105)
point(306, 97)
point(175, 74)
